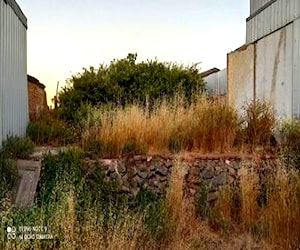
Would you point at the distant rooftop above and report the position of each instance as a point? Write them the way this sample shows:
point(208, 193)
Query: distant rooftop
point(35, 81)
point(209, 72)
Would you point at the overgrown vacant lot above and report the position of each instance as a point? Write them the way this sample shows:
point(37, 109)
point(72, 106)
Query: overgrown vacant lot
point(129, 108)
point(83, 211)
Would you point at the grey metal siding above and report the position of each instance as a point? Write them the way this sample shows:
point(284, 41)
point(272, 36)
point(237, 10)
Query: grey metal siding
point(17, 10)
point(255, 5)
point(13, 73)
point(216, 83)
point(277, 15)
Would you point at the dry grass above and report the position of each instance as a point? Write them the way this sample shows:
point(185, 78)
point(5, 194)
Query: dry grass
point(276, 219)
point(282, 211)
point(204, 126)
point(273, 225)
point(187, 231)
point(249, 184)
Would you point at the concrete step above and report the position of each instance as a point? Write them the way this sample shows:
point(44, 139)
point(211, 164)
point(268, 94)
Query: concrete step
point(29, 175)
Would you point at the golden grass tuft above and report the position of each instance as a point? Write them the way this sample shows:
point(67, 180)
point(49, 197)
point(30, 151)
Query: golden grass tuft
point(204, 126)
point(249, 183)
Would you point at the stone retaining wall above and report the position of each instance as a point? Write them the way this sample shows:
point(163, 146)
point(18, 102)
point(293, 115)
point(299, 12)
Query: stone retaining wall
point(153, 172)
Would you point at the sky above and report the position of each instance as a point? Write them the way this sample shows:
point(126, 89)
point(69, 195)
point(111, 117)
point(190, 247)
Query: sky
point(65, 36)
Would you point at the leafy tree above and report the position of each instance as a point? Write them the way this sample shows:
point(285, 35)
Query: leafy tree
point(126, 81)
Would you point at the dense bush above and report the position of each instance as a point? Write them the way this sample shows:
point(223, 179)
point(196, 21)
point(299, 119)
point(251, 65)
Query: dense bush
point(126, 81)
point(50, 130)
point(17, 147)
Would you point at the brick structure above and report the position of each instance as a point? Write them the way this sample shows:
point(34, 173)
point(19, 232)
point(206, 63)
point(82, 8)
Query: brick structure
point(37, 100)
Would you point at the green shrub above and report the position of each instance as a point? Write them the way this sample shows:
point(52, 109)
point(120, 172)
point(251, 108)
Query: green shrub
point(125, 81)
point(17, 147)
point(132, 147)
point(50, 130)
point(290, 135)
point(201, 197)
point(8, 175)
point(60, 174)
point(257, 124)
point(175, 144)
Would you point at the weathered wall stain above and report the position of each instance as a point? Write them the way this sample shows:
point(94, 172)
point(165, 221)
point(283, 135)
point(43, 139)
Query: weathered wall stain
point(282, 42)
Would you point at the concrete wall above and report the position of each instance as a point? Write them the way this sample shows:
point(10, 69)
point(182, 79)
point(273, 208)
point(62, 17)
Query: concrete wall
point(240, 76)
point(296, 69)
point(274, 70)
point(13, 70)
point(276, 75)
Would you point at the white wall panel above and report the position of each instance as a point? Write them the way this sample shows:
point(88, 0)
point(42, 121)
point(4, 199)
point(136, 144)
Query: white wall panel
point(274, 70)
point(240, 76)
point(296, 69)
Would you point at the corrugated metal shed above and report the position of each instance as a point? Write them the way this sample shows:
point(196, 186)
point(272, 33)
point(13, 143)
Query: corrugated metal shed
point(13, 70)
point(216, 83)
point(270, 17)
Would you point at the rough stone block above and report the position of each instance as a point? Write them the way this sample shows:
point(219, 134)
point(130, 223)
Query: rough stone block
point(162, 170)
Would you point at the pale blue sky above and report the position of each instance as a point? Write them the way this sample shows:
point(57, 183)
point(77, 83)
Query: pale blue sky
point(66, 35)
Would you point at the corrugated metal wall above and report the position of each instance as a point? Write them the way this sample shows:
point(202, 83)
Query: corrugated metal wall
point(279, 14)
point(13, 71)
point(255, 5)
point(216, 83)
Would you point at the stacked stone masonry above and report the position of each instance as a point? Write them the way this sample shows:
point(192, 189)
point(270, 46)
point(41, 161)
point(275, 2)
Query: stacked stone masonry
point(153, 172)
